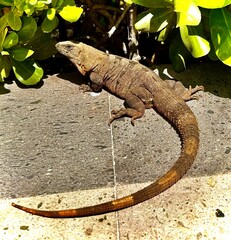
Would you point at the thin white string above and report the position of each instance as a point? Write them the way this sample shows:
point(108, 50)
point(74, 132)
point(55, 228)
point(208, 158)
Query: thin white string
point(114, 169)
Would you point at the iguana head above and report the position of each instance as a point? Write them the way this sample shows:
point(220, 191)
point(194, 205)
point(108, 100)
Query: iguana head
point(82, 55)
point(73, 51)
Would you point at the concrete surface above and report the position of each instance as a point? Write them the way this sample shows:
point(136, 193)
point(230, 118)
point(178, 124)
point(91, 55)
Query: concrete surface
point(57, 152)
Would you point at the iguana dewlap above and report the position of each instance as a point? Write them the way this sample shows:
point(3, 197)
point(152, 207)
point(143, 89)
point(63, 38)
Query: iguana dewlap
point(140, 88)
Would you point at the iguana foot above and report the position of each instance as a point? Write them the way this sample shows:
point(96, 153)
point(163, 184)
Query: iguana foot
point(116, 114)
point(134, 114)
point(90, 88)
point(189, 94)
point(85, 88)
point(186, 93)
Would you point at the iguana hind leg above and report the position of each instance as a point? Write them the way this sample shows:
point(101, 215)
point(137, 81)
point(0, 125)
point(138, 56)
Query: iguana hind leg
point(186, 93)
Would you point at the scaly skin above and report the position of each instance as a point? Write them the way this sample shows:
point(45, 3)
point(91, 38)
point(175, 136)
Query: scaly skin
point(141, 88)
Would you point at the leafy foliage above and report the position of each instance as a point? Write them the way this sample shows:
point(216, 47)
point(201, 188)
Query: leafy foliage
point(204, 27)
point(26, 28)
point(191, 28)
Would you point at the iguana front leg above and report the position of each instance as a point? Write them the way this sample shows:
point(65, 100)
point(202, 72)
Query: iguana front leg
point(94, 83)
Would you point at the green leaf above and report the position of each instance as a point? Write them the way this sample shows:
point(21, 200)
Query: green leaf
point(48, 26)
point(3, 22)
point(193, 39)
point(29, 9)
point(19, 7)
point(42, 5)
point(68, 3)
point(187, 13)
point(212, 55)
point(11, 40)
point(5, 53)
point(5, 67)
point(3, 33)
point(42, 44)
point(7, 2)
point(178, 54)
point(27, 72)
point(47, 2)
point(51, 13)
point(29, 27)
point(20, 54)
point(154, 3)
point(163, 34)
point(57, 3)
point(213, 3)
point(154, 20)
point(14, 21)
point(128, 1)
point(32, 2)
point(220, 25)
point(71, 13)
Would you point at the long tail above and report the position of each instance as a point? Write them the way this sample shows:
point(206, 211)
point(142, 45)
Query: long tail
point(188, 130)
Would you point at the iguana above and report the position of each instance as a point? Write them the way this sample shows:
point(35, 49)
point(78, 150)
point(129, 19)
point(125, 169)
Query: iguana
point(140, 88)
